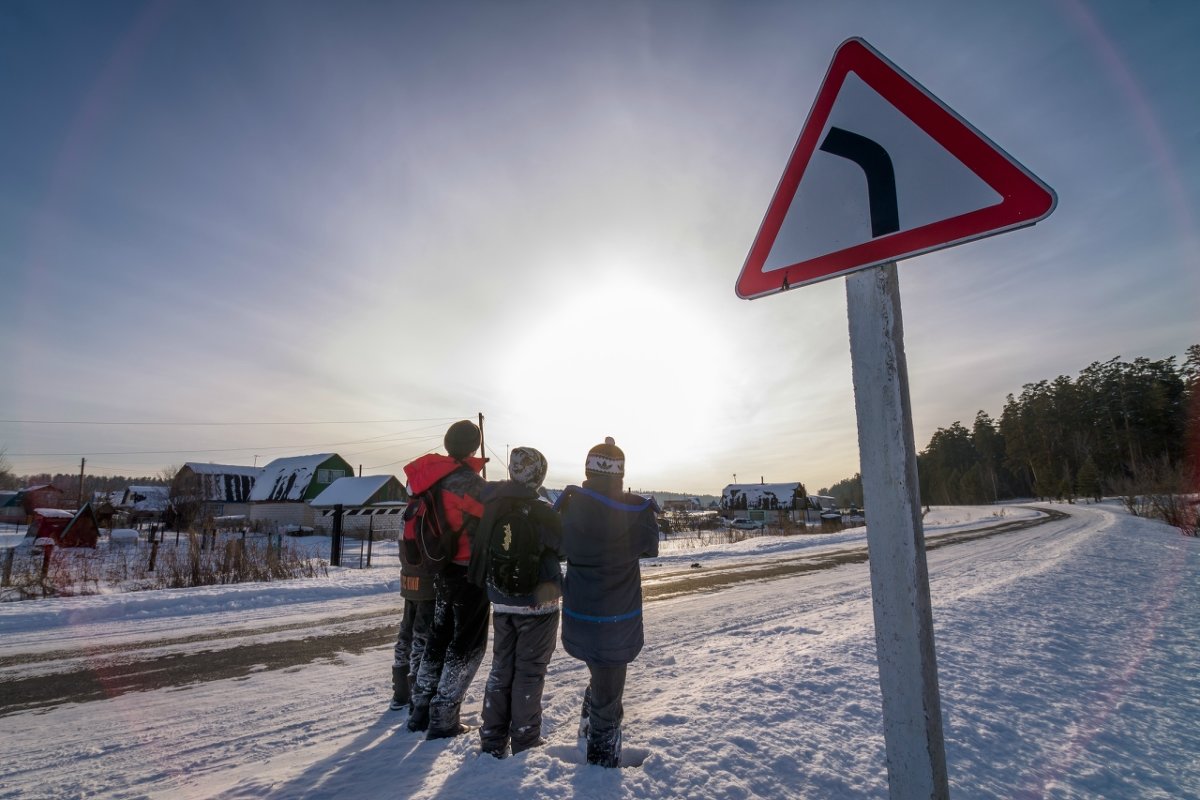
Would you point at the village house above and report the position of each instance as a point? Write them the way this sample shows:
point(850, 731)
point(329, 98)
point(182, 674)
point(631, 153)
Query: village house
point(682, 505)
point(144, 504)
point(202, 492)
point(772, 503)
point(17, 507)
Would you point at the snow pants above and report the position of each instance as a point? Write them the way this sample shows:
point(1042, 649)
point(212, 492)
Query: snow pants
point(512, 702)
point(602, 713)
point(454, 649)
point(415, 624)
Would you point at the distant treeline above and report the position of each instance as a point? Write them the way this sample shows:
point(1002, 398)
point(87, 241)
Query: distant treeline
point(91, 483)
point(1118, 428)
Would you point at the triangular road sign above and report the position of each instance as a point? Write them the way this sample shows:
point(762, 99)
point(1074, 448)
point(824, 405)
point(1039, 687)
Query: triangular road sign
point(883, 170)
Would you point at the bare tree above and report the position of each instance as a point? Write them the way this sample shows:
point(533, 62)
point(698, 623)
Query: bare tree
point(7, 479)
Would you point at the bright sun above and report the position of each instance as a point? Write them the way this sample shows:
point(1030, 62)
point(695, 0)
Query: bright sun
point(624, 357)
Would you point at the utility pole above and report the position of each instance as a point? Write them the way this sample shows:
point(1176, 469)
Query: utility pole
point(82, 461)
point(482, 449)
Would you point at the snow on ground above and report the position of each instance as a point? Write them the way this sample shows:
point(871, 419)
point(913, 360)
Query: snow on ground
point(1066, 652)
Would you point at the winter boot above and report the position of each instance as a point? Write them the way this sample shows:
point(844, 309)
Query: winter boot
point(418, 715)
point(401, 688)
point(585, 722)
point(604, 748)
point(526, 744)
point(495, 752)
point(493, 739)
point(443, 721)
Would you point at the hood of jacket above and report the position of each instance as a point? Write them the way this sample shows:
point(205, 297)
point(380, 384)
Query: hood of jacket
point(430, 468)
point(509, 488)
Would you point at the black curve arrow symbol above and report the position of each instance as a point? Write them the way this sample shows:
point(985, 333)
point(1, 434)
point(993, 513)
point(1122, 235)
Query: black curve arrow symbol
point(881, 177)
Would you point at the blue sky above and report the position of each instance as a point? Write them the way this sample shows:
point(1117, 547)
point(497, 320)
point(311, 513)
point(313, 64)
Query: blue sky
point(391, 215)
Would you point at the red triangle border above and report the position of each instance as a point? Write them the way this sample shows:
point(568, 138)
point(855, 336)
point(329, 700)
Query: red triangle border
point(1026, 199)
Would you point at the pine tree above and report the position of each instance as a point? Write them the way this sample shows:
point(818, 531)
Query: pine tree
point(1088, 480)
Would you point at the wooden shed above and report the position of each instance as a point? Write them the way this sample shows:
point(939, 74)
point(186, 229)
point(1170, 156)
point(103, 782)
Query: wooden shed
point(67, 529)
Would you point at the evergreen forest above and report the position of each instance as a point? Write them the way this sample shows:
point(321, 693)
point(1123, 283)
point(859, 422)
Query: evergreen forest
point(1118, 428)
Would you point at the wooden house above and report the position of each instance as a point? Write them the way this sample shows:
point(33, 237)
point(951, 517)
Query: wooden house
point(43, 495)
point(142, 504)
point(201, 492)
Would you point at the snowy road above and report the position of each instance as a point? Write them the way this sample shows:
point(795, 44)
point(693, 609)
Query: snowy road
point(95, 662)
point(1067, 656)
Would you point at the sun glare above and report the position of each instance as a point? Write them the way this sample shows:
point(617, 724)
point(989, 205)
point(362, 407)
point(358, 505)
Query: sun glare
point(629, 359)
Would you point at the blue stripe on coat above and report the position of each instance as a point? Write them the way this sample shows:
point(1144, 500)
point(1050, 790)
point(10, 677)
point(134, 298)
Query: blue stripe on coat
point(605, 499)
point(589, 618)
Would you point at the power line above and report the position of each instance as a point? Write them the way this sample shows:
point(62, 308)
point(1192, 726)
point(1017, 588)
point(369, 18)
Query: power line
point(182, 424)
point(372, 439)
point(502, 461)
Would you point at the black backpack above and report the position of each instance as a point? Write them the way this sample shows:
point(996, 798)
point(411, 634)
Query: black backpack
point(429, 543)
point(514, 559)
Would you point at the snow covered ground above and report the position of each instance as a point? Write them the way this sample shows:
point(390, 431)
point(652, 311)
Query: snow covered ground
point(1067, 657)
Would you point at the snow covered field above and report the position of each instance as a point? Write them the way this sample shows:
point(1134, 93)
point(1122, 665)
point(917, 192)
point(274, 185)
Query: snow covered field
point(1067, 656)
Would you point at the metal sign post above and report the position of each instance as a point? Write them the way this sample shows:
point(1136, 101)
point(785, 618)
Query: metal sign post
point(912, 715)
point(883, 170)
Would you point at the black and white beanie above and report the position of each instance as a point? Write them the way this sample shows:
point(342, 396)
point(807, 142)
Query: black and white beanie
point(527, 466)
point(605, 460)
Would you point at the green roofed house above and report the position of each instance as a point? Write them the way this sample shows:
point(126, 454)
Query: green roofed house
point(284, 490)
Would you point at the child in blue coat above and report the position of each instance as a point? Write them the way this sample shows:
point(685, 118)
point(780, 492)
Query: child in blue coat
point(605, 532)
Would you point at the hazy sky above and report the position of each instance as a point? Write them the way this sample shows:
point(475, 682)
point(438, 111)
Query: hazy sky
point(368, 219)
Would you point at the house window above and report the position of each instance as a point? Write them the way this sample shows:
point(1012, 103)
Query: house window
point(330, 475)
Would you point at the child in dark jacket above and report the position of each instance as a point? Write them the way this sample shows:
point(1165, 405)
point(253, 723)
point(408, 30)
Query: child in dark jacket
point(416, 590)
point(524, 626)
point(605, 532)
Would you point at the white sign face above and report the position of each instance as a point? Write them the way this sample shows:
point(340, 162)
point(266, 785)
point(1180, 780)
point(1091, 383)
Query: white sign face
point(883, 171)
point(831, 212)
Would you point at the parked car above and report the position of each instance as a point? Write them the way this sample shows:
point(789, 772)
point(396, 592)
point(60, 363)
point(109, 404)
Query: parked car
point(743, 524)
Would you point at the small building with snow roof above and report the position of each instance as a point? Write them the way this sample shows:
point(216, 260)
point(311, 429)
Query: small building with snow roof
point(66, 528)
point(372, 503)
point(284, 490)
